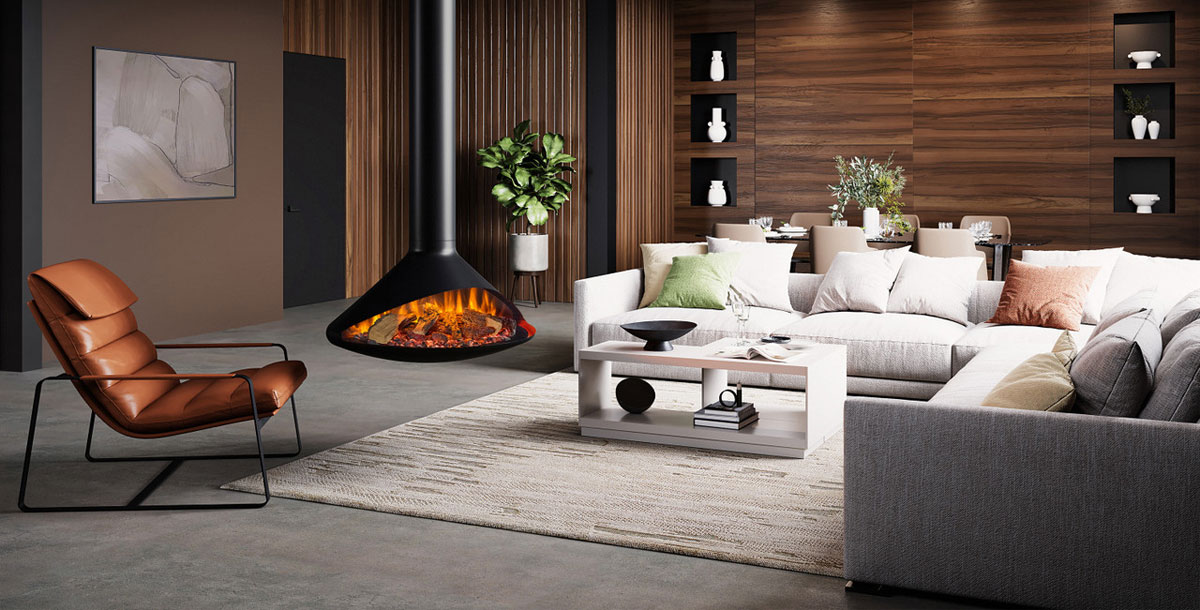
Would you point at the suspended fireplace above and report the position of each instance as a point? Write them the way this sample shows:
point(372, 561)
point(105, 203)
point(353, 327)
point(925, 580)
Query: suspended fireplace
point(432, 306)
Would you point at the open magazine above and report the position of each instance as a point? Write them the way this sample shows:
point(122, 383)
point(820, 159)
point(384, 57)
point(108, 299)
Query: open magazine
point(776, 352)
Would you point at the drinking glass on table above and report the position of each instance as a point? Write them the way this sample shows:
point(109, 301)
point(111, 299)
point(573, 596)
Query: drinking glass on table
point(945, 225)
point(741, 313)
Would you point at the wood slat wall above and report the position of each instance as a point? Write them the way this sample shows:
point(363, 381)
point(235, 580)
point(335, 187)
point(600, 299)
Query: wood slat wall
point(644, 151)
point(367, 34)
point(992, 106)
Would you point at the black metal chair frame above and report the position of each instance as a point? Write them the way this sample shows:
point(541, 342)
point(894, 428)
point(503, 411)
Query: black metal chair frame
point(175, 461)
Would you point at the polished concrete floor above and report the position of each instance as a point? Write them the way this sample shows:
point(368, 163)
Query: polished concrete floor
point(294, 554)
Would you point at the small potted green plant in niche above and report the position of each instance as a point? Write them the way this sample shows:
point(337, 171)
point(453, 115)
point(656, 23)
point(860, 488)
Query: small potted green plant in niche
point(529, 187)
point(876, 187)
point(1139, 108)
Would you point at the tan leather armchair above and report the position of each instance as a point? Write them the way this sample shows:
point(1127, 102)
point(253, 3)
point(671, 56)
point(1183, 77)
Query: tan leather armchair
point(83, 311)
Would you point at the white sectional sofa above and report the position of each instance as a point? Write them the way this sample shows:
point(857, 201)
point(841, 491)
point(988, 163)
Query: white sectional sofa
point(891, 354)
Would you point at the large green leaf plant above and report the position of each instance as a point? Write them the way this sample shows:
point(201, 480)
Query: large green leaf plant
point(529, 184)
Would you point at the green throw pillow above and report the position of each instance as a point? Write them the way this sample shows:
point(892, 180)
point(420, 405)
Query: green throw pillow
point(1041, 383)
point(700, 281)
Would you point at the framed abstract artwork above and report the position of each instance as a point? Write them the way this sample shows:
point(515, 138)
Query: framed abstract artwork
point(163, 127)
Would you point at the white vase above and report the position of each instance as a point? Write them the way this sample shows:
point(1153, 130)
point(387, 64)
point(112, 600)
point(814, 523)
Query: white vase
point(1153, 128)
point(716, 69)
point(528, 251)
point(1144, 202)
point(716, 193)
point(716, 127)
point(1139, 127)
point(871, 222)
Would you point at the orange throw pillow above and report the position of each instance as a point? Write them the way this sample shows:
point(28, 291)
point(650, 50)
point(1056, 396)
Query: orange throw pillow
point(1044, 296)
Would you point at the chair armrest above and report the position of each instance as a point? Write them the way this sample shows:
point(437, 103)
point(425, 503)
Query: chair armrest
point(157, 377)
point(220, 346)
point(602, 296)
point(1026, 507)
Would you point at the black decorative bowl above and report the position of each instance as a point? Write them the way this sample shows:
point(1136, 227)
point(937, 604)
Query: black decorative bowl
point(658, 334)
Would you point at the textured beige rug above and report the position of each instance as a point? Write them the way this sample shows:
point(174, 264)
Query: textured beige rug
point(515, 460)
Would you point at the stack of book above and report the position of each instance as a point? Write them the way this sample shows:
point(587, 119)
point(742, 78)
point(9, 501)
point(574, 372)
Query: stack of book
point(717, 416)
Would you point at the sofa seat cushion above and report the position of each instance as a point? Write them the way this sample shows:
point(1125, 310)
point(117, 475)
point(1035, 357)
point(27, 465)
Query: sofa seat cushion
point(887, 345)
point(987, 334)
point(972, 383)
point(711, 324)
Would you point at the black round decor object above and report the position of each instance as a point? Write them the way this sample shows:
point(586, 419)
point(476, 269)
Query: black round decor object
point(658, 334)
point(635, 394)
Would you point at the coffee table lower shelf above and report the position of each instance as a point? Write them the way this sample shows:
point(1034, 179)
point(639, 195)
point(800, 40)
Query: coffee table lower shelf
point(770, 435)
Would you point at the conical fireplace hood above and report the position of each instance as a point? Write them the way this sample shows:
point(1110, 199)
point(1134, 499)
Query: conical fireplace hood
point(444, 309)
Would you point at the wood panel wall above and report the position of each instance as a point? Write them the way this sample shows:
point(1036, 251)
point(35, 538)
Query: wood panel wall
point(368, 35)
point(520, 59)
point(643, 113)
point(992, 106)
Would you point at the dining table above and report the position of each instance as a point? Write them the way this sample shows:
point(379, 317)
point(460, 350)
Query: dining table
point(1001, 248)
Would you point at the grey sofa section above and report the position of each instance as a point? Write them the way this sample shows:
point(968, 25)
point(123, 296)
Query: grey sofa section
point(1026, 507)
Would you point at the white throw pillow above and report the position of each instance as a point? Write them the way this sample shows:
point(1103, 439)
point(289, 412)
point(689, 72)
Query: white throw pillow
point(656, 264)
point(1172, 278)
point(859, 281)
point(932, 286)
point(762, 276)
point(1104, 259)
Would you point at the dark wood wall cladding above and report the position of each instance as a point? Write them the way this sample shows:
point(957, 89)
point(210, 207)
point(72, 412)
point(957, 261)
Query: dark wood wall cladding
point(992, 106)
point(368, 35)
point(644, 147)
point(520, 60)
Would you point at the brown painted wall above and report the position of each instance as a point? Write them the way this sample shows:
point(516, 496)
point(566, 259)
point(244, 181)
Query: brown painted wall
point(197, 266)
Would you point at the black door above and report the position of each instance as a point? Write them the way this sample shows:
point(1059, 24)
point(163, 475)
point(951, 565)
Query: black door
point(314, 179)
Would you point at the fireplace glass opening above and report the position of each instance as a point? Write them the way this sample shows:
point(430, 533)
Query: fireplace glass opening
point(468, 317)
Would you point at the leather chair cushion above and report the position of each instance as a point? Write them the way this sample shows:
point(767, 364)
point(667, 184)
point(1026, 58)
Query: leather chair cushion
point(199, 403)
point(93, 290)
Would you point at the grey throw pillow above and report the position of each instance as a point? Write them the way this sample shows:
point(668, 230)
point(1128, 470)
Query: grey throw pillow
point(1145, 300)
point(1182, 314)
point(1176, 395)
point(1114, 371)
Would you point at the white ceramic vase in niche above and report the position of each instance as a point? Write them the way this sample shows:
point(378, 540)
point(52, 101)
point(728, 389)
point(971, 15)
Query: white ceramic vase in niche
point(1144, 59)
point(716, 127)
point(871, 222)
point(1153, 128)
point(1139, 127)
point(716, 68)
point(1144, 202)
point(716, 193)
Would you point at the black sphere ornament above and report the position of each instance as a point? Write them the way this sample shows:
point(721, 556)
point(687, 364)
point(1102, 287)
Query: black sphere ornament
point(635, 394)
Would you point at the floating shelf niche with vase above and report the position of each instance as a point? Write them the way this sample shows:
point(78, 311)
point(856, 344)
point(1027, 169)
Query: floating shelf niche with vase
point(1144, 176)
point(703, 46)
point(1162, 104)
point(707, 169)
point(702, 116)
point(1144, 32)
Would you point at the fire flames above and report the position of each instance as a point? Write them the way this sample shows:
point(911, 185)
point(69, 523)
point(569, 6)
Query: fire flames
point(456, 318)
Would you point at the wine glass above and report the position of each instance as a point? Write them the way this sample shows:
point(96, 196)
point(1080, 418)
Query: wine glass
point(741, 313)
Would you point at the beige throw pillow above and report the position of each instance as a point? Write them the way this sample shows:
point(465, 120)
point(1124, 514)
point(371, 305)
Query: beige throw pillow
point(859, 281)
point(939, 287)
point(1040, 383)
point(762, 276)
point(656, 263)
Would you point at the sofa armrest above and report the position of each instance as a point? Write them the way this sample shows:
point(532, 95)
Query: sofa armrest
point(802, 290)
point(1027, 507)
point(602, 296)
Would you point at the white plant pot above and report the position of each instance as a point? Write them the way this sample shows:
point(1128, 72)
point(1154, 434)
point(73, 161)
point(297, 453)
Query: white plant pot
point(716, 193)
point(528, 251)
point(871, 222)
point(716, 127)
point(1144, 202)
point(1139, 127)
point(716, 68)
point(1153, 128)
point(1144, 59)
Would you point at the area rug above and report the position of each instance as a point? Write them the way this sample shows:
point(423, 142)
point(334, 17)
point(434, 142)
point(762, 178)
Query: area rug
point(515, 460)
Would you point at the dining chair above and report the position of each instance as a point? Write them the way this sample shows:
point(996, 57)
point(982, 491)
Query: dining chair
point(808, 220)
point(905, 237)
point(950, 243)
point(828, 241)
point(1000, 226)
point(83, 311)
point(739, 232)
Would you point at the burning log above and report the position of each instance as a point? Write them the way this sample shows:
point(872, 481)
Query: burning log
point(384, 329)
point(421, 326)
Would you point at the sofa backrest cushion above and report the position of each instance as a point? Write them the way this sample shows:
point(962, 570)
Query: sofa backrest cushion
point(1181, 315)
point(1105, 260)
point(1176, 395)
point(1146, 300)
point(1114, 371)
point(1173, 278)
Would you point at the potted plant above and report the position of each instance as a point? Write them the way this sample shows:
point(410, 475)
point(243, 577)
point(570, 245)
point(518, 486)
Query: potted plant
point(1138, 108)
point(529, 188)
point(875, 186)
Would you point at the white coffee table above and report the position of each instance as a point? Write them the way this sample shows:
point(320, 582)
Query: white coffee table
point(780, 430)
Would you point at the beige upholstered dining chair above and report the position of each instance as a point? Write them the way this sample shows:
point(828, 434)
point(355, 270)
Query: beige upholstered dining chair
point(950, 243)
point(739, 232)
point(808, 220)
point(828, 241)
point(1000, 226)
